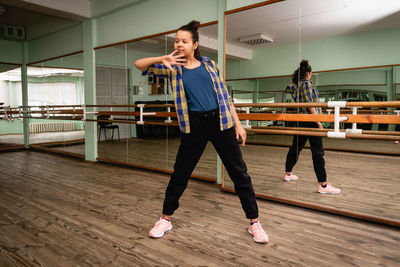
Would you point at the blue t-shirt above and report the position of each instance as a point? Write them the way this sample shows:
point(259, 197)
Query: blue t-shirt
point(199, 89)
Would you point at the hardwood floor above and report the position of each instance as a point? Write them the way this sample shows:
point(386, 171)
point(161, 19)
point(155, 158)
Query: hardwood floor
point(58, 211)
point(370, 183)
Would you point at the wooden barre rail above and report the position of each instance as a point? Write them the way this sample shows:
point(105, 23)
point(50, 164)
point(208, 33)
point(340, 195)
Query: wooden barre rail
point(393, 104)
point(325, 134)
point(384, 119)
point(135, 122)
point(99, 106)
point(324, 130)
point(381, 119)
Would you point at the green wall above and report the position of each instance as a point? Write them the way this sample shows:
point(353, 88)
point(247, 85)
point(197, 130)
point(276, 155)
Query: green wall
point(151, 17)
point(8, 127)
point(60, 43)
point(11, 51)
point(72, 61)
point(16, 126)
point(233, 4)
point(102, 7)
point(347, 51)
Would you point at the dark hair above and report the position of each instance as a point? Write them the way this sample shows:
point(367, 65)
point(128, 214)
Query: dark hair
point(193, 27)
point(300, 73)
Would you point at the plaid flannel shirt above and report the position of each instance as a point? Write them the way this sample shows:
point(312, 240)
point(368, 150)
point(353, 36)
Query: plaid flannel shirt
point(175, 77)
point(308, 94)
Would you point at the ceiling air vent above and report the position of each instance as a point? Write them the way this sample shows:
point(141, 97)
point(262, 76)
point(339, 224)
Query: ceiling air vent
point(14, 32)
point(256, 39)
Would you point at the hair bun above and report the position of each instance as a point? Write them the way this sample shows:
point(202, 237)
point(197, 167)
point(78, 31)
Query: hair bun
point(194, 24)
point(304, 63)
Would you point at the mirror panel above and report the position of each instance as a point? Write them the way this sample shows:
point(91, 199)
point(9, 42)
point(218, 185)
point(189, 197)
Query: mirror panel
point(54, 86)
point(349, 63)
point(248, 52)
point(11, 129)
point(154, 144)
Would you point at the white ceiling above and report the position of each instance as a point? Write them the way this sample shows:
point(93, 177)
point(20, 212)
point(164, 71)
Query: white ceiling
point(286, 22)
point(68, 9)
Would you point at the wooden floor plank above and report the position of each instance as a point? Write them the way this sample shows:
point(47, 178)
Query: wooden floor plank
point(85, 214)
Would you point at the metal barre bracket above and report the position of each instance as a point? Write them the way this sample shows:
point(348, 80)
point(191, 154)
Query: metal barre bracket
point(168, 120)
point(141, 106)
point(336, 130)
point(247, 126)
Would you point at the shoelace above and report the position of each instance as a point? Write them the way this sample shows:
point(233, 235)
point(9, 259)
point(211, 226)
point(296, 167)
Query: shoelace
point(257, 228)
point(161, 221)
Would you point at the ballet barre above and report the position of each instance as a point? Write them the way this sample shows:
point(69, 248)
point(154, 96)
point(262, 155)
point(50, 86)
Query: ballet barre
point(80, 112)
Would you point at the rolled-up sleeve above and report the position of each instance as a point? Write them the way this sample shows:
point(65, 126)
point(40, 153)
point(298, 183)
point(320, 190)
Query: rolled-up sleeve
point(158, 70)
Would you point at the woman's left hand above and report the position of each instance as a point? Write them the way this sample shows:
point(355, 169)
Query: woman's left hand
point(240, 132)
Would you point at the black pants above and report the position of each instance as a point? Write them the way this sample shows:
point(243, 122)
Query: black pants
point(205, 126)
point(317, 151)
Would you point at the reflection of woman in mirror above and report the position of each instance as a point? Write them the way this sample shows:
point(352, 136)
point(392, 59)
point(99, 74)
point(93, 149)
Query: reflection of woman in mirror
point(303, 91)
point(205, 112)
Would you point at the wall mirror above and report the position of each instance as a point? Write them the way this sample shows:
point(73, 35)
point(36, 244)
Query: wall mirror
point(354, 58)
point(11, 129)
point(54, 86)
point(154, 144)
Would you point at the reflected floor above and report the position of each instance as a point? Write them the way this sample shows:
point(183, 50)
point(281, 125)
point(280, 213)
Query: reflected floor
point(370, 183)
point(153, 153)
point(380, 146)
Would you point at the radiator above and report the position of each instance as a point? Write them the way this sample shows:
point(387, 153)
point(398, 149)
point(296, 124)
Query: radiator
point(51, 127)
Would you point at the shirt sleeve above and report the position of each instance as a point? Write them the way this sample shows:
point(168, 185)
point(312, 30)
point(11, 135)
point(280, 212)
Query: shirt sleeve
point(289, 89)
point(158, 70)
point(308, 92)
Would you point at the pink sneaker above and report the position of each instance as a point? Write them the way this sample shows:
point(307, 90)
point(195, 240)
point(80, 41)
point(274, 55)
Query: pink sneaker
point(329, 189)
point(291, 177)
point(160, 228)
point(259, 235)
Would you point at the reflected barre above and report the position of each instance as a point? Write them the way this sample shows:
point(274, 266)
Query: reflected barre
point(80, 112)
point(326, 134)
point(336, 118)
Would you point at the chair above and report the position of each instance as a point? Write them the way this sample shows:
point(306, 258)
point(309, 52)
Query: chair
point(106, 125)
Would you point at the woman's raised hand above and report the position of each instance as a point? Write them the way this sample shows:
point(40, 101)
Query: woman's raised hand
point(172, 59)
